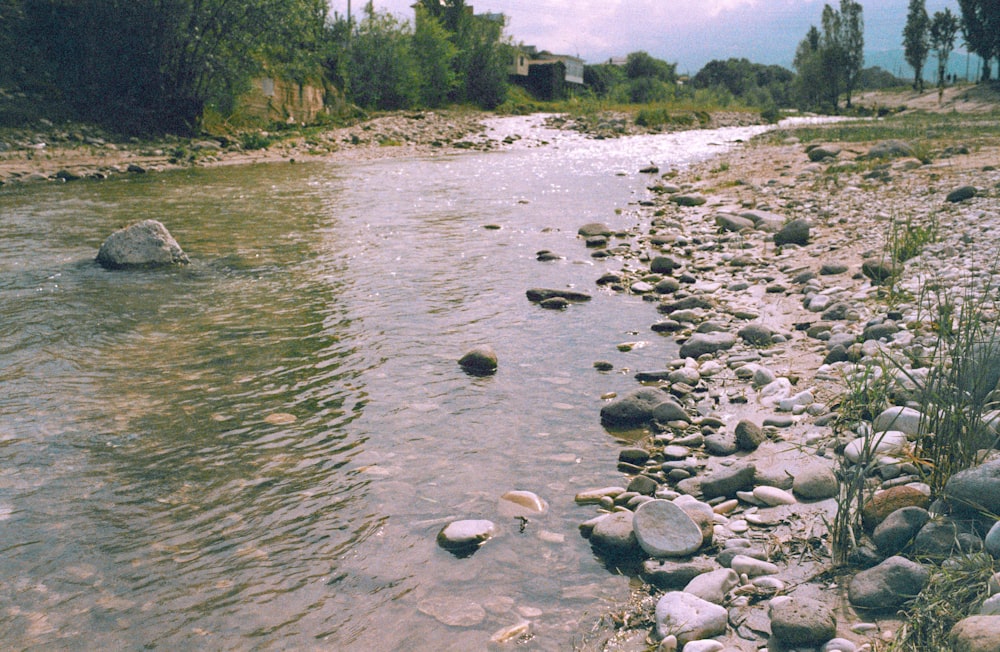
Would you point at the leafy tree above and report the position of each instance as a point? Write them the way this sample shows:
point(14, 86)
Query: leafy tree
point(809, 66)
point(831, 60)
point(832, 54)
point(383, 69)
point(875, 78)
point(451, 13)
point(603, 78)
point(435, 58)
point(482, 60)
point(642, 64)
point(753, 83)
point(944, 28)
point(852, 39)
point(981, 27)
point(148, 66)
point(916, 40)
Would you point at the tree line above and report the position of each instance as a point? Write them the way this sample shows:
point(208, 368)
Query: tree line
point(156, 65)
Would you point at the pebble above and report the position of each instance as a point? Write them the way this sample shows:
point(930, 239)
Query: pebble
point(744, 564)
point(772, 496)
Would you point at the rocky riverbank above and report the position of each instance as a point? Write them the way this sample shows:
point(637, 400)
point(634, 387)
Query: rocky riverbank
point(61, 153)
point(802, 323)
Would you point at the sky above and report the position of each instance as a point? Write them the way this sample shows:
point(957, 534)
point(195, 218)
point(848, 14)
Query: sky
point(687, 32)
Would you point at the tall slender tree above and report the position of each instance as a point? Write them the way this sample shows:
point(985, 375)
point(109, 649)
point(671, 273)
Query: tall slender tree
point(916, 40)
point(944, 28)
point(981, 27)
point(852, 24)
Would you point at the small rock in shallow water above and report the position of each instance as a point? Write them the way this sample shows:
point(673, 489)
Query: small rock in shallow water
point(143, 244)
point(480, 361)
point(465, 536)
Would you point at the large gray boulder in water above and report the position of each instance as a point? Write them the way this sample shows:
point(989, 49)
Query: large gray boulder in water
point(140, 245)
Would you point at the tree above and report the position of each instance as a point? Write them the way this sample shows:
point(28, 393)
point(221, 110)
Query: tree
point(981, 27)
point(944, 28)
point(852, 24)
point(603, 78)
point(832, 54)
point(153, 66)
point(483, 59)
point(383, 70)
point(915, 40)
point(808, 65)
point(435, 59)
point(642, 64)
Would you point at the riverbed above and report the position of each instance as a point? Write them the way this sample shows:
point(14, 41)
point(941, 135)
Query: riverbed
point(256, 451)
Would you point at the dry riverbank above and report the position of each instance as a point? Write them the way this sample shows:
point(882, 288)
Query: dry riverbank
point(778, 337)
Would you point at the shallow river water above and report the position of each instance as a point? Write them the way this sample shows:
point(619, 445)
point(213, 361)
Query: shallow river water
point(257, 451)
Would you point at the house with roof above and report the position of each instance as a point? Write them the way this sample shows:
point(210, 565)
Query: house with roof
point(545, 75)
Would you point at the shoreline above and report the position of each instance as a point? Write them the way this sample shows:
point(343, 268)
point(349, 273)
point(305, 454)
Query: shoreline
point(781, 311)
point(62, 153)
point(727, 274)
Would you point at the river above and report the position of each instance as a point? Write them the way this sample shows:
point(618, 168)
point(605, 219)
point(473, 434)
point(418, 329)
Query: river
point(256, 451)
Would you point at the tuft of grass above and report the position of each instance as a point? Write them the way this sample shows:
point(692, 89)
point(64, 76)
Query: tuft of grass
point(868, 394)
point(955, 591)
point(959, 392)
point(906, 238)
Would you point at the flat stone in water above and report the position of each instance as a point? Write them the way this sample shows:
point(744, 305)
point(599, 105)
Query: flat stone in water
point(665, 530)
point(280, 418)
point(453, 611)
point(521, 503)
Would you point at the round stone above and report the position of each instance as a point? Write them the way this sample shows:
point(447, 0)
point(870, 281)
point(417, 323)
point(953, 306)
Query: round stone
point(460, 535)
point(665, 530)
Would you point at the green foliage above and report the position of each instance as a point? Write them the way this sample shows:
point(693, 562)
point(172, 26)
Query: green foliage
point(916, 40)
point(907, 238)
point(435, 56)
point(146, 67)
point(640, 65)
point(981, 27)
point(483, 61)
point(252, 140)
point(830, 61)
point(645, 90)
point(602, 79)
point(943, 29)
point(383, 72)
point(758, 85)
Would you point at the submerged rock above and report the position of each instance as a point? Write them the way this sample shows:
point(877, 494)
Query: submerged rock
point(141, 245)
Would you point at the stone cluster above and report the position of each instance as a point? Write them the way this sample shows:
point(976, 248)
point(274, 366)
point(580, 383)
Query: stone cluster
point(777, 295)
